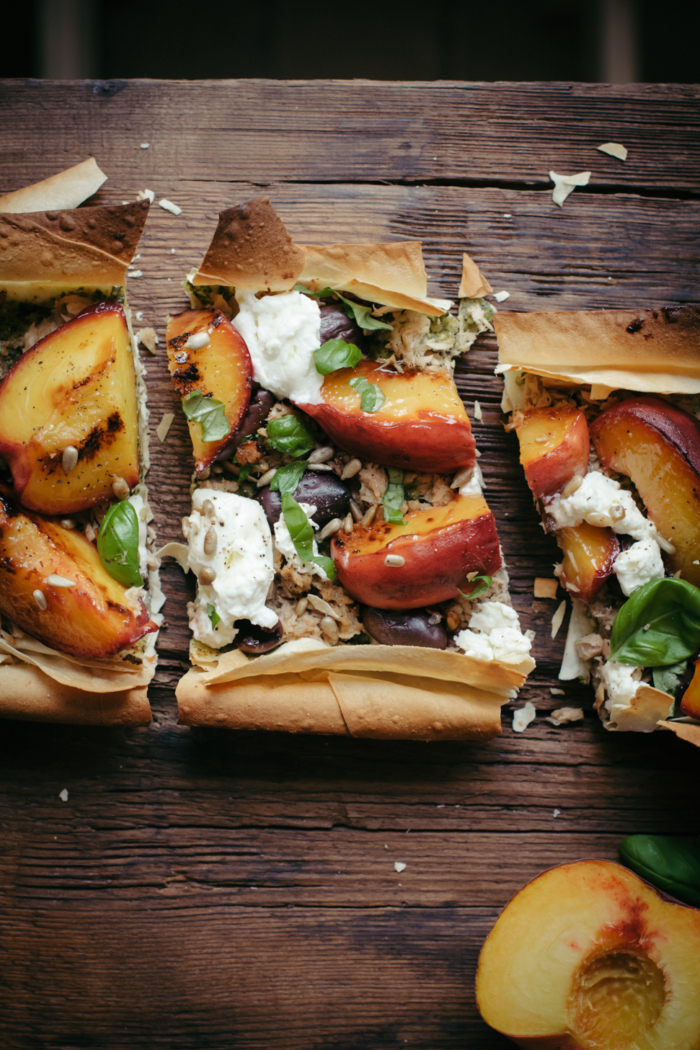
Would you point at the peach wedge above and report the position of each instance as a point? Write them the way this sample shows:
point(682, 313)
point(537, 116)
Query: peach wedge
point(554, 446)
point(657, 445)
point(589, 555)
point(422, 425)
point(68, 414)
point(422, 562)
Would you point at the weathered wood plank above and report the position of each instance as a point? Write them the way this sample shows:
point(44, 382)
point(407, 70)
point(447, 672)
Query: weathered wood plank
point(329, 131)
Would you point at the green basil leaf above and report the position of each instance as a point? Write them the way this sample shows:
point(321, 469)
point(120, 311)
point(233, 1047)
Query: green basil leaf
point(335, 354)
point(288, 477)
point(244, 472)
point(213, 615)
point(205, 409)
point(667, 679)
point(302, 534)
point(658, 625)
point(118, 544)
point(361, 314)
point(288, 434)
point(669, 863)
point(482, 584)
point(372, 396)
point(394, 497)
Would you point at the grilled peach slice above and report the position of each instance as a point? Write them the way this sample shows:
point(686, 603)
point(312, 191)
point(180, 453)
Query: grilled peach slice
point(690, 703)
point(221, 367)
point(424, 561)
point(588, 955)
point(422, 425)
point(93, 618)
point(589, 554)
point(657, 445)
point(554, 446)
point(68, 414)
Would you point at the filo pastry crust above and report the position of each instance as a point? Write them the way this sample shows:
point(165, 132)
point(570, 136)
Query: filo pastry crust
point(56, 250)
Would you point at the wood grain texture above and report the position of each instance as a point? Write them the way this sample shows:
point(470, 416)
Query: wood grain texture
point(203, 889)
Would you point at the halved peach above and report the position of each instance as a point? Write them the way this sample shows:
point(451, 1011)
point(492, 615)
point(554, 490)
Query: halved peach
point(92, 619)
point(554, 446)
point(422, 425)
point(589, 554)
point(690, 703)
point(74, 390)
point(435, 551)
point(657, 445)
point(221, 367)
point(587, 956)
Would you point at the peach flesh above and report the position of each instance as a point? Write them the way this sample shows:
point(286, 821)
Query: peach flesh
point(422, 425)
point(554, 446)
point(589, 554)
point(657, 445)
point(587, 956)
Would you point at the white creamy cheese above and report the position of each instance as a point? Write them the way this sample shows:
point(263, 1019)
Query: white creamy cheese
point(499, 636)
point(281, 333)
point(601, 501)
point(241, 563)
point(473, 486)
point(639, 564)
point(137, 503)
point(283, 542)
point(619, 683)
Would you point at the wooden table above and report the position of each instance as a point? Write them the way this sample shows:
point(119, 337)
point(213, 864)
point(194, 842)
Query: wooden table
point(208, 889)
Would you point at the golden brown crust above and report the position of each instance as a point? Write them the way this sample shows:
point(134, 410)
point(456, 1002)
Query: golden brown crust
point(653, 351)
point(82, 246)
point(67, 189)
point(27, 693)
point(251, 249)
point(396, 266)
point(381, 706)
point(473, 285)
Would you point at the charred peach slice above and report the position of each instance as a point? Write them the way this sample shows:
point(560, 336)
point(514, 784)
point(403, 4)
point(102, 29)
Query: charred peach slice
point(206, 353)
point(657, 445)
point(422, 424)
point(68, 414)
point(424, 561)
point(554, 446)
point(589, 554)
point(91, 619)
point(588, 956)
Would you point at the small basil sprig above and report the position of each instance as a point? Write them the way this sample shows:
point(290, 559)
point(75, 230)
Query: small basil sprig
point(667, 862)
point(205, 409)
point(361, 314)
point(213, 616)
point(335, 354)
point(288, 477)
point(394, 497)
point(372, 395)
point(118, 544)
point(658, 625)
point(482, 585)
point(302, 534)
point(288, 434)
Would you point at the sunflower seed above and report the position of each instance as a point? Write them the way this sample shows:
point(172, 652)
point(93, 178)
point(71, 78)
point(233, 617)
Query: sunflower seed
point(355, 510)
point(206, 577)
point(53, 580)
point(208, 508)
point(572, 486)
point(333, 526)
point(320, 455)
point(40, 599)
point(330, 629)
point(394, 561)
point(69, 459)
point(369, 515)
point(301, 606)
point(210, 541)
point(351, 469)
point(266, 478)
point(348, 524)
point(120, 488)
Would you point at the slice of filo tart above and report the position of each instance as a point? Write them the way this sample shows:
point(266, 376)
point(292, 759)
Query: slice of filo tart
point(79, 592)
point(606, 408)
point(337, 501)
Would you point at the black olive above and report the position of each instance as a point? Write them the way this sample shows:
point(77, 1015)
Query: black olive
point(403, 627)
point(254, 639)
point(253, 418)
point(321, 489)
point(335, 324)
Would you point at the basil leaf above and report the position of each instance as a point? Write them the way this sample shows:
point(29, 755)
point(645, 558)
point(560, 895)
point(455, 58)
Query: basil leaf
point(205, 409)
point(482, 585)
point(658, 625)
point(244, 472)
point(302, 534)
point(288, 434)
point(372, 395)
point(335, 354)
point(669, 863)
point(394, 497)
point(288, 477)
point(118, 544)
point(213, 615)
point(361, 314)
point(667, 679)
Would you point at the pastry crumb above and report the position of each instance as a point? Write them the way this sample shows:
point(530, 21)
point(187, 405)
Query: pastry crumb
point(545, 588)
